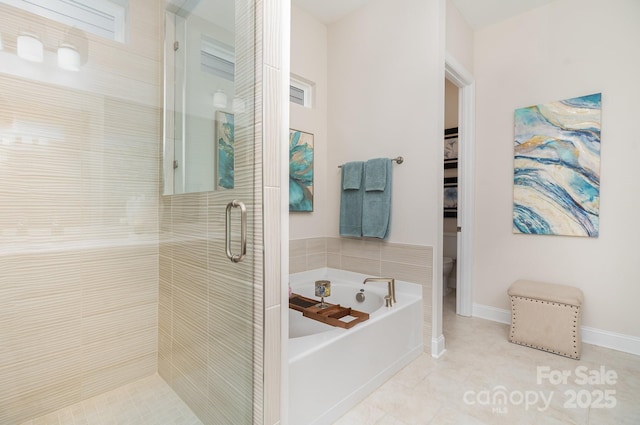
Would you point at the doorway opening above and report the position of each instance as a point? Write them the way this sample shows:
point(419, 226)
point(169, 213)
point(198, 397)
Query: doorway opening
point(450, 200)
point(463, 80)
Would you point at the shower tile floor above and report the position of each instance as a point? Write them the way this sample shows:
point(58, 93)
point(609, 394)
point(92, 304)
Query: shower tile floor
point(148, 401)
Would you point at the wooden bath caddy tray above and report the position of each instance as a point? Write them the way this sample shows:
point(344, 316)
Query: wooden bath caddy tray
point(330, 315)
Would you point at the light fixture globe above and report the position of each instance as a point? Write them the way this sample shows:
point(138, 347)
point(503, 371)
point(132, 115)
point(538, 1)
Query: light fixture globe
point(68, 58)
point(220, 99)
point(30, 48)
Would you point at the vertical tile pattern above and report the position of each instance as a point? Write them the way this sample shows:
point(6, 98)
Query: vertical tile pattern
point(211, 310)
point(79, 155)
point(263, 220)
point(270, 39)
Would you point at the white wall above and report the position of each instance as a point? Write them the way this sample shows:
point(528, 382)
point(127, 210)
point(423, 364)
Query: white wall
point(309, 61)
point(386, 90)
point(566, 49)
point(459, 37)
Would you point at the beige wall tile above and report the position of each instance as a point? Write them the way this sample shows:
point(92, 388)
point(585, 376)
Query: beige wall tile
point(298, 264)
point(297, 247)
point(316, 245)
point(79, 225)
point(118, 374)
point(272, 360)
point(334, 261)
point(407, 272)
point(361, 265)
point(407, 254)
point(334, 245)
point(316, 261)
point(272, 233)
point(47, 397)
point(273, 114)
point(361, 248)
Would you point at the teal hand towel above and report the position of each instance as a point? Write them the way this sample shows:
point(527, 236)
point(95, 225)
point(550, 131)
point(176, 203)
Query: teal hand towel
point(352, 175)
point(351, 198)
point(376, 206)
point(375, 174)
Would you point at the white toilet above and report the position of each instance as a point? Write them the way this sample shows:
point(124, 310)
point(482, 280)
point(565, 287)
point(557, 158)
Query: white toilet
point(447, 266)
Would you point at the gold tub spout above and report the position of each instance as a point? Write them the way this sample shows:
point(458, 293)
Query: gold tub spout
point(392, 286)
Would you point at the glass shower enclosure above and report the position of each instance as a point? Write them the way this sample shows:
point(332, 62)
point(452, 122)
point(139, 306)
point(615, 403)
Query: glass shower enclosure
point(129, 168)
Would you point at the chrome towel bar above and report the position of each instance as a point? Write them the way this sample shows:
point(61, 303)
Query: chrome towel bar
point(399, 160)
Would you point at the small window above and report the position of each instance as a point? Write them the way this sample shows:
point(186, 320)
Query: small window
point(106, 18)
point(300, 92)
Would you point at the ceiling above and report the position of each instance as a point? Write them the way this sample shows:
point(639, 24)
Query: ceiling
point(478, 13)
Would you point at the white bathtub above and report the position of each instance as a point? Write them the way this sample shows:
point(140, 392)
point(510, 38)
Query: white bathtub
point(332, 369)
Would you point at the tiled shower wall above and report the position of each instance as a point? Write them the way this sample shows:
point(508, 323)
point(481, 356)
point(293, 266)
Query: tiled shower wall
point(79, 157)
point(410, 263)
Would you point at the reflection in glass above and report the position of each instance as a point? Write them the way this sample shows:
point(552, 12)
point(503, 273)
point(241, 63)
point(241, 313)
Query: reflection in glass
point(200, 43)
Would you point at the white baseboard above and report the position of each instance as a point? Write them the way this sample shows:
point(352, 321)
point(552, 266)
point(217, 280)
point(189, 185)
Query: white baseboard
point(437, 346)
point(613, 340)
point(491, 313)
point(602, 338)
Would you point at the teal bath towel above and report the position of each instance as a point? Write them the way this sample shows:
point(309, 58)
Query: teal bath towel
point(376, 206)
point(376, 174)
point(351, 199)
point(352, 175)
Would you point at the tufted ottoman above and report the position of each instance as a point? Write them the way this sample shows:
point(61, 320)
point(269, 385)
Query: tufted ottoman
point(546, 316)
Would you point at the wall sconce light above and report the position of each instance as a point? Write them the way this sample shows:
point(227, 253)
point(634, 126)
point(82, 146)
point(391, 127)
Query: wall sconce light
point(220, 99)
point(238, 105)
point(68, 57)
point(30, 48)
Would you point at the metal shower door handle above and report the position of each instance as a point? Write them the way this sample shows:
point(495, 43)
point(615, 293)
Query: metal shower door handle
point(236, 258)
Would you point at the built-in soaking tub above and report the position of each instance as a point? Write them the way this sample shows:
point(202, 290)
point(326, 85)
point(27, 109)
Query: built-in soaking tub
point(331, 369)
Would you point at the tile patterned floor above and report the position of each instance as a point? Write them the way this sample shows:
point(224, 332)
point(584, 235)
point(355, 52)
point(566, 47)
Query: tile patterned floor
point(149, 401)
point(464, 386)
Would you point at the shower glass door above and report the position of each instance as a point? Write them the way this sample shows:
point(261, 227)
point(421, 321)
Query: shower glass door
point(212, 203)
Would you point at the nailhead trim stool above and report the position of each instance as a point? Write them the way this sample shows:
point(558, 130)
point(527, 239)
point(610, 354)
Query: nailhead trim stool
point(546, 316)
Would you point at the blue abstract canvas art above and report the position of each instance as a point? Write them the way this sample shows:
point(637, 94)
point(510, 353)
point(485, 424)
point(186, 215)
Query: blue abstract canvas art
point(225, 150)
point(556, 187)
point(300, 171)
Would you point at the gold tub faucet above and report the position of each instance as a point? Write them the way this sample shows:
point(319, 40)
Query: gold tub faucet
point(391, 298)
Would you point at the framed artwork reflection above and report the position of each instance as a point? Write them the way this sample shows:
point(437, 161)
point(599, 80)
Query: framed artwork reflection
point(225, 161)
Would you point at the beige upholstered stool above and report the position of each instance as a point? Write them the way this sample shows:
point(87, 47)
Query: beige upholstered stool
point(546, 316)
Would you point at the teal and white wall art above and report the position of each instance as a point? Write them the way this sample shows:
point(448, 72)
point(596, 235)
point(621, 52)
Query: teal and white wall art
point(556, 186)
point(225, 150)
point(300, 171)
